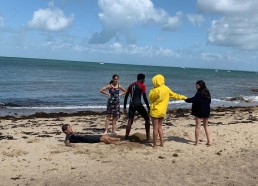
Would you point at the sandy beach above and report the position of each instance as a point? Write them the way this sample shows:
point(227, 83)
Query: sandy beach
point(32, 151)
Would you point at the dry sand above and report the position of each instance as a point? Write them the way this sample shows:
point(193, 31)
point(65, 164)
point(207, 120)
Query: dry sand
point(32, 152)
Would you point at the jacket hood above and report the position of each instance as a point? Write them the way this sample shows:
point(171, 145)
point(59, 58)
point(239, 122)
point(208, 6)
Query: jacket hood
point(158, 80)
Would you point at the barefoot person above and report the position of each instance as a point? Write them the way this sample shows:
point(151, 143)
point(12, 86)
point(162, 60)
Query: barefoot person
point(113, 104)
point(75, 138)
point(137, 90)
point(201, 109)
point(159, 97)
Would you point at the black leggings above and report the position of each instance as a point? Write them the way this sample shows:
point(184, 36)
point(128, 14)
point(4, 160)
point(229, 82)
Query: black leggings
point(141, 110)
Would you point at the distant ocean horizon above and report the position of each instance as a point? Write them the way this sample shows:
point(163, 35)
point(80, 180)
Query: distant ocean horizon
point(31, 85)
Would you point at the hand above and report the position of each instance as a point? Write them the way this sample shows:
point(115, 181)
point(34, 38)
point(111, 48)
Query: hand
point(69, 145)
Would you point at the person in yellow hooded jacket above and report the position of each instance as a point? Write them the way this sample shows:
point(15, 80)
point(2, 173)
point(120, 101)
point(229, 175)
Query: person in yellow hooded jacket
point(159, 98)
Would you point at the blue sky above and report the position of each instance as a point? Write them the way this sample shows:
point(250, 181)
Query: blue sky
point(219, 34)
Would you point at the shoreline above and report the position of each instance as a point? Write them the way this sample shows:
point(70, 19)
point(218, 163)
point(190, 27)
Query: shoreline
point(177, 112)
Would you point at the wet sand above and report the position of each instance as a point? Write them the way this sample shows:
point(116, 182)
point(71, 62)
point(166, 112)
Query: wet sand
point(32, 151)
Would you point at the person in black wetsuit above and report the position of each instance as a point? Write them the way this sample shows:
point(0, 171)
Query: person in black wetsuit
point(75, 138)
point(201, 109)
point(137, 90)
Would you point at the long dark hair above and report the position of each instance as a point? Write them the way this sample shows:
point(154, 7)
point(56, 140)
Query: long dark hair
point(205, 91)
point(113, 77)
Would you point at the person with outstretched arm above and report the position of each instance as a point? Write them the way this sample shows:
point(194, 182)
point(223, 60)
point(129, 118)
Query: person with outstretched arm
point(159, 97)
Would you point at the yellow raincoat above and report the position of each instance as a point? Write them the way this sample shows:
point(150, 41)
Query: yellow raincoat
point(159, 97)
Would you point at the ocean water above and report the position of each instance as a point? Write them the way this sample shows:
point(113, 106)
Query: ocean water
point(40, 85)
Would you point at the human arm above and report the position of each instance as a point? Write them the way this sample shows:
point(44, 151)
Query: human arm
point(146, 101)
point(153, 95)
point(126, 97)
point(123, 90)
point(192, 99)
point(176, 96)
point(68, 144)
point(125, 101)
point(103, 90)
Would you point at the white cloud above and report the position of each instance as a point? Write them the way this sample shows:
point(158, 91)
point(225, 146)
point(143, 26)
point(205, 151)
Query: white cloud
point(149, 51)
point(116, 46)
point(1, 22)
point(195, 19)
point(119, 49)
point(225, 6)
point(121, 16)
point(238, 26)
point(235, 32)
point(206, 56)
point(173, 22)
point(51, 19)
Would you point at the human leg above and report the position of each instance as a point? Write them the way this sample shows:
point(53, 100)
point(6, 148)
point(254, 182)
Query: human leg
point(160, 130)
point(155, 124)
point(147, 129)
point(131, 113)
point(197, 129)
point(142, 111)
point(106, 124)
point(128, 127)
point(114, 123)
point(205, 126)
point(114, 138)
point(109, 140)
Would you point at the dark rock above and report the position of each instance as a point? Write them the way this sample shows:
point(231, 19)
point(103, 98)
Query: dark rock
point(219, 153)
point(161, 157)
point(44, 136)
point(175, 155)
point(254, 89)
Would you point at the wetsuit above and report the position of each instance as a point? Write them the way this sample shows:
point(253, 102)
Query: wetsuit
point(136, 90)
point(74, 138)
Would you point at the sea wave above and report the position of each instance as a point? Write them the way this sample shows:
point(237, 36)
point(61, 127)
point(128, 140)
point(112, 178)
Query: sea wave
point(248, 99)
point(48, 106)
point(57, 107)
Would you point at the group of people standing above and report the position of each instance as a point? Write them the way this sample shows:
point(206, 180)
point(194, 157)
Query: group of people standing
point(159, 97)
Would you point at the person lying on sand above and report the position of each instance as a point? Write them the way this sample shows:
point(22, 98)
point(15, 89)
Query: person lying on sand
point(75, 138)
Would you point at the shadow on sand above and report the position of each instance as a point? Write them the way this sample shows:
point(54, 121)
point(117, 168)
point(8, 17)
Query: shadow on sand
point(179, 139)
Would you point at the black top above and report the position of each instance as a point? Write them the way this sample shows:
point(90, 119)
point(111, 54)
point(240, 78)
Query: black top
point(200, 106)
point(75, 138)
point(136, 90)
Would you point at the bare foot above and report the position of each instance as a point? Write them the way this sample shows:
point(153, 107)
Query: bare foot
point(105, 132)
point(148, 141)
point(123, 142)
point(154, 146)
point(208, 144)
point(114, 133)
